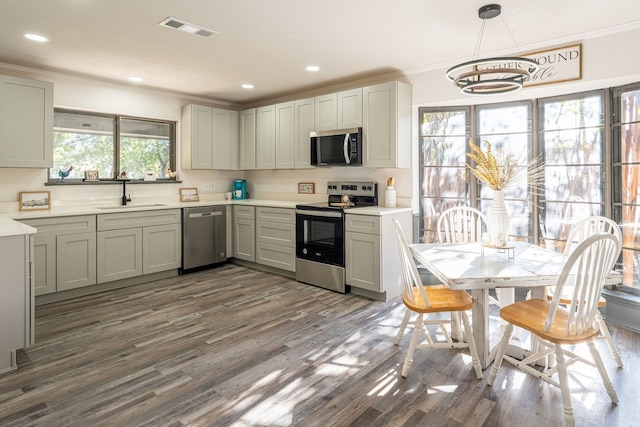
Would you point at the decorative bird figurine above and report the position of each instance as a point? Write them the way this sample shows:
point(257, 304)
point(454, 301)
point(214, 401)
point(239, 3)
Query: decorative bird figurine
point(64, 174)
point(172, 175)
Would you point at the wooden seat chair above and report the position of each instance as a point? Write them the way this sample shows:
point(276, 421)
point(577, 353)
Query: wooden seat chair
point(428, 300)
point(583, 229)
point(556, 325)
point(458, 224)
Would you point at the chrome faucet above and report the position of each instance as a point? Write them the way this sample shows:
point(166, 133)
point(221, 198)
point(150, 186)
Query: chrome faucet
point(125, 199)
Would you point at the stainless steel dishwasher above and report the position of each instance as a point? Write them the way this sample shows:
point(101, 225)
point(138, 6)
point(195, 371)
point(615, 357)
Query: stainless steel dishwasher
point(204, 236)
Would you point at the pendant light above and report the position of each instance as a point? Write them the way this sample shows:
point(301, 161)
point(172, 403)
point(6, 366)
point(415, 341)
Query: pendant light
point(491, 76)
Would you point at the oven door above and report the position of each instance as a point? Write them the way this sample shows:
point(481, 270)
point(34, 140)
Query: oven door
point(320, 236)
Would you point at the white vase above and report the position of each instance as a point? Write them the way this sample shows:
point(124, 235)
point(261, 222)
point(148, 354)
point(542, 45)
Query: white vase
point(498, 220)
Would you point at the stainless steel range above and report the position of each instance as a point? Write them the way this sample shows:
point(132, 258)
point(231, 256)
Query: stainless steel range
point(320, 242)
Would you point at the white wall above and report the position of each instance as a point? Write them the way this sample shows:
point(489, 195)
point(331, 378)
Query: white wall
point(607, 61)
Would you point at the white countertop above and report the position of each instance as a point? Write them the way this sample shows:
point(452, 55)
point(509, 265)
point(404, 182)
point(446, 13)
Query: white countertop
point(8, 227)
point(57, 211)
point(376, 211)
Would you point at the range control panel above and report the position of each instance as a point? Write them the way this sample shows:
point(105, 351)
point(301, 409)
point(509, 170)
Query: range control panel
point(353, 188)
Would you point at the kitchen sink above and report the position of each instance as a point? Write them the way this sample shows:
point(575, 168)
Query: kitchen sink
point(149, 205)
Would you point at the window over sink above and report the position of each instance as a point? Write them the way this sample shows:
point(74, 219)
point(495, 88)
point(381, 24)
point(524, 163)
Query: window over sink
point(109, 144)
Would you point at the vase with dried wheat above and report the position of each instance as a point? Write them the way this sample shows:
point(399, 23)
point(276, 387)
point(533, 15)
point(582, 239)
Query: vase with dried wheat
point(498, 175)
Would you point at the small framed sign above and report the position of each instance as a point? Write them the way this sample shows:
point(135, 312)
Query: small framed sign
point(306, 188)
point(189, 195)
point(35, 200)
point(91, 176)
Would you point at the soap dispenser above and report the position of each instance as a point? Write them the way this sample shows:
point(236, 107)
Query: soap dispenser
point(390, 194)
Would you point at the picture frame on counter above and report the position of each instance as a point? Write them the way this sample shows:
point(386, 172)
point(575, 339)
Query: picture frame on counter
point(306, 188)
point(91, 176)
point(189, 195)
point(34, 200)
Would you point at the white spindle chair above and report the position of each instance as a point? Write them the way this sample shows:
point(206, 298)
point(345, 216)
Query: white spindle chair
point(428, 300)
point(579, 232)
point(556, 324)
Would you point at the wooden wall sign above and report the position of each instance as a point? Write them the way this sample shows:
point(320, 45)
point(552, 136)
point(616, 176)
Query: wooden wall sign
point(561, 64)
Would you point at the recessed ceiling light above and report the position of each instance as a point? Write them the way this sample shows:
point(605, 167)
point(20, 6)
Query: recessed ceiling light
point(247, 86)
point(136, 79)
point(312, 68)
point(36, 37)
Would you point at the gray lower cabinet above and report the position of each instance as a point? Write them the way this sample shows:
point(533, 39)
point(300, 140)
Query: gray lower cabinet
point(137, 243)
point(276, 237)
point(16, 309)
point(244, 233)
point(161, 246)
point(76, 260)
point(119, 254)
point(372, 258)
point(64, 253)
point(363, 260)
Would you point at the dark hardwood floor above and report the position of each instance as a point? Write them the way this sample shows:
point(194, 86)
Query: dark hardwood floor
point(232, 346)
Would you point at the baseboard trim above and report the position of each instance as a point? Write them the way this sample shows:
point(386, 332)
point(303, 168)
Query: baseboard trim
point(623, 307)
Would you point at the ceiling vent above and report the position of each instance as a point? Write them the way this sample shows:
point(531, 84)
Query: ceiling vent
point(187, 27)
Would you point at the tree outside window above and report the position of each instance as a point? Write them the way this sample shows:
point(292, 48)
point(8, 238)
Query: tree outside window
point(111, 144)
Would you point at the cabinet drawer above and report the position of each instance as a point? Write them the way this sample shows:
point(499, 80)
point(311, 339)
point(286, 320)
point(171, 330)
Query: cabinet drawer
point(277, 256)
point(116, 221)
point(244, 212)
point(283, 215)
point(363, 224)
point(63, 225)
point(276, 233)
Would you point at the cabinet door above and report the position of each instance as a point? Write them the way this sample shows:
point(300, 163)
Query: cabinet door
point(197, 137)
point(266, 137)
point(363, 261)
point(44, 258)
point(26, 123)
point(119, 254)
point(304, 125)
point(76, 260)
point(285, 136)
point(387, 125)
point(326, 112)
point(224, 139)
point(161, 248)
point(350, 109)
point(247, 129)
point(244, 237)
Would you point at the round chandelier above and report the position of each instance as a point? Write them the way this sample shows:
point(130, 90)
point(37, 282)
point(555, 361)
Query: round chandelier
point(491, 76)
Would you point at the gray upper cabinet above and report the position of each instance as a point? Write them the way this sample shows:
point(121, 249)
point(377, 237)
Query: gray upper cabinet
point(350, 109)
point(266, 137)
point(225, 139)
point(339, 110)
point(209, 138)
point(387, 125)
point(304, 125)
point(326, 112)
point(26, 123)
point(247, 137)
point(285, 135)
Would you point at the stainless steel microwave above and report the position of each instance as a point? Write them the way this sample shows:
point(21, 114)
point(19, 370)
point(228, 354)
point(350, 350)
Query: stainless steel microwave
point(338, 148)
